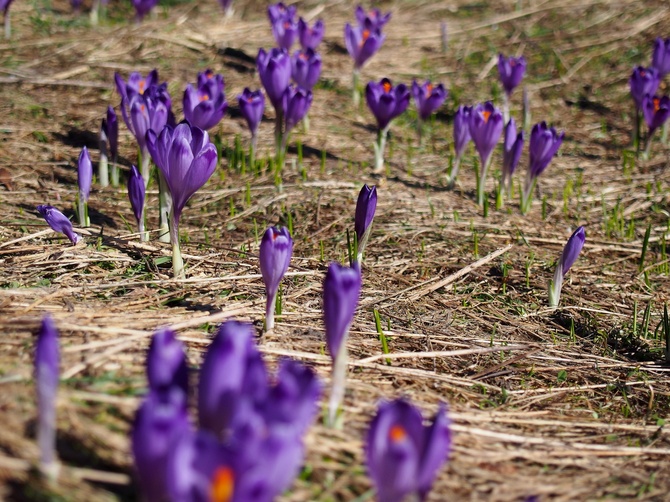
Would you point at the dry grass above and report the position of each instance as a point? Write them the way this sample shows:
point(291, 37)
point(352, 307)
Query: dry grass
point(538, 408)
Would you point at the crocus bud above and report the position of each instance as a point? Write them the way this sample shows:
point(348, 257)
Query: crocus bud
point(136, 194)
point(365, 213)
point(643, 81)
point(660, 59)
point(143, 7)
point(371, 19)
point(85, 174)
point(462, 129)
point(544, 143)
point(166, 363)
point(511, 71)
point(159, 422)
point(295, 106)
point(274, 69)
point(275, 256)
point(252, 104)
point(656, 110)
point(205, 106)
point(110, 127)
point(58, 222)
point(310, 38)
point(148, 110)
point(568, 257)
point(362, 43)
point(512, 152)
point(428, 98)
point(404, 456)
point(232, 376)
point(306, 68)
point(46, 385)
point(385, 101)
point(285, 32)
point(280, 11)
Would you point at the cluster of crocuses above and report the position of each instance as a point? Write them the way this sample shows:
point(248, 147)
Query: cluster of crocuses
point(483, 124)
point(644, 85)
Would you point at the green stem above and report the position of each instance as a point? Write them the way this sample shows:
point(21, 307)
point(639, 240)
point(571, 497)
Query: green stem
point(380, 146)
point(177, 260)
point(481, 183)
point(527, 194)
point(164, 209)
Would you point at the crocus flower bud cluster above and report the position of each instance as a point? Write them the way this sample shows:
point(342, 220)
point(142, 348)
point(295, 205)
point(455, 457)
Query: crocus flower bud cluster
point(205, 105)
point(365, 38)
point(568, 258)
point(248, 445)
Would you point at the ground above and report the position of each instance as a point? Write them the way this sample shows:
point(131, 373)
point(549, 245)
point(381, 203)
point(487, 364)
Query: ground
point(566, 404)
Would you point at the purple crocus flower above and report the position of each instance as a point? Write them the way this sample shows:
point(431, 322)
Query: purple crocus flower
point(84, 174)
point(362, 43)
point(58, 222)
point(46, 361)
point(252, 104)
point(232, 376)
point(643, 81)
point(186, 159)
point(486, 126)
point(544, 143)
point(143, 7)
point(656, 110)
point(511, 71)
point(4, 7)
point(275, 256)
point(136, 194)
point(365, 214)
point(310, 37)
point(227, 6)
point(404, 456)
point(511, 152)
point(109, 133)
point(274, 69)
point(461, 139)
point(385, 101)
point(166, 363)
point(568, 257)
point(306, 68)
point(372, 19)
point(205, 106)
point(296, 105)
point(76, 5)
point(285, 32)
point(159, 422)
point(660, 59)
point(280, 11)
point(428, 98)
point(136, 83)
point(341, 289)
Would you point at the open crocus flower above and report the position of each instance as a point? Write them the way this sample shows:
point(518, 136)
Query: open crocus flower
point(252, 105)
point(143, 7)
point(58, 222)
point(136, 83)
point(461, 139)
point(310, 37)
point(284, 27)
point(281, 11)
point(296, 105)
point(428, 98)
point(4, 7)
point(274, 69)
point(660, 59)
point(306, 68)
point(205, 106)
point(85, 179)
point(365, 214)
point(404, 456)
point(511, 71)
point(568, 257)
point(186, 159)
point(46, 361)
point(136, 195)
point(362, 43)
point(486, 127)
point(341, 289)
point(371, 19)
point(109, 133)
point(386, 103)
point(275, 256)
point(544, 143)
point(511, 153)
point(643, 81)
point(656, 110)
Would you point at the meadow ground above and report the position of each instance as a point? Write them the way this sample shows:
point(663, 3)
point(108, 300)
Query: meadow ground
point(567, 404)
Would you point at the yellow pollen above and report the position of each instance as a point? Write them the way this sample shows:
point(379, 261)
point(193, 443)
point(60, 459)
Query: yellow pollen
point(486, 115)
point(223, 485)
point(141, 86)
point(657, 104)
point(204, 97)
point(387, 86)
point(209, 74)
point(303, 56)
point(429, 90)
point(397, 433)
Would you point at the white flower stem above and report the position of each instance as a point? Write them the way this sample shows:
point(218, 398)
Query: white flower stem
point(270, 312)
point(380, 146)
point(356, 97)
point(115, 173)
point(177, 260)
point(8, 27)
point(103, 167)
point(481, 185)
point(527, 194)
point(338, 384)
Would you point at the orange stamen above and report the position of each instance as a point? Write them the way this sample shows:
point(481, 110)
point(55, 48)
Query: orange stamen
point(657, 104)
point(223, 485)
point(397, 433)
point(387, 86)
point(429, 90)
point(141, 86)
point(204, 97)
point(486, 114)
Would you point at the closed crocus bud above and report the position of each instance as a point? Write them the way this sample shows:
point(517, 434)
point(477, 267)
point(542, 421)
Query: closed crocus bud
point(136, 83)
point(512, 152)
point(252, 104)
point(149, 110)
point(85, 174)
point(285, 31)
point(274, 69)
point(365, 213)
point(643, 81)
point(310, 37)
point(296, 105)
point(232, 376)
point(656, 110)
point(159, 422)
point(143, 7)
point(280, 11)
point(385, 101)
point(110, 127)
point(544, 143)
point(58, 222)
point(362, 43)
point(428, 98)
point(511, 71)
point(306, 68)
point(403, 456)
point(462, 129)
point(660, 59)
point(46, 385)
point(371, 19)
point(568, 257)
point(205, 106)
point(275, 256)
point(136, 194)
point(166, 363)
